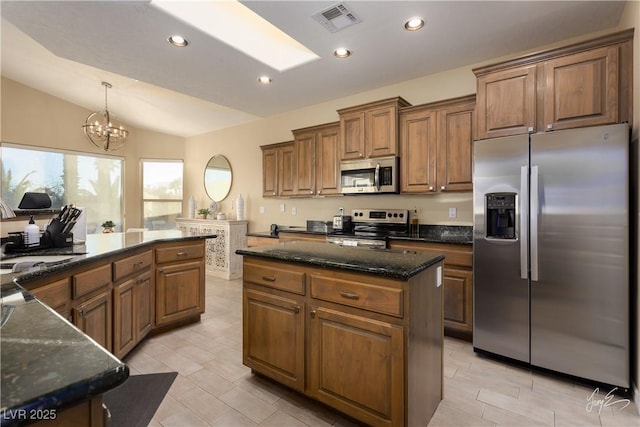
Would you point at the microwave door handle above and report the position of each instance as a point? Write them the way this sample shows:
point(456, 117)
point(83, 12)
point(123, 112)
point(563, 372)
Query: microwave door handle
point(376, 177)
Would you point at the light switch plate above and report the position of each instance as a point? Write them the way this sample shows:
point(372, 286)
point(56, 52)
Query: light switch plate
point(453, 213)
point(262, 209)
point(283, 207)
point(294, 211)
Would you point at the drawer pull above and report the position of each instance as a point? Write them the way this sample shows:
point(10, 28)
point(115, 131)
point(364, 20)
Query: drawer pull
point(137, 264)
point(183, 253)
point(313, 314)
point(268, 278)
point(349, 295)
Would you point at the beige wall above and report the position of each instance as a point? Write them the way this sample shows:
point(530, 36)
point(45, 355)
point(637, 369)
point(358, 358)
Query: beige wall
point(34, 118)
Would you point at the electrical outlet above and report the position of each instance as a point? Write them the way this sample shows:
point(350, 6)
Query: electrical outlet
point(283, 207)
point(453, 213)
point(262, 209)
point(294, 211)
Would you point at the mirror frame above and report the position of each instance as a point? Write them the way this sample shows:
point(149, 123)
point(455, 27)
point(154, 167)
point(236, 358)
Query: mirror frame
point(217, 195)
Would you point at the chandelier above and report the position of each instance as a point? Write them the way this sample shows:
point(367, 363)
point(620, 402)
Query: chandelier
point(103, 129)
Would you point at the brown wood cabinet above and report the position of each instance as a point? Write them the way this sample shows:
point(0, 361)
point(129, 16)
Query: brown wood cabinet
point(180, 281)
point(56, 295)
point(279, 169)
point(94, 318)
point(260, 241)
point(458, 283)
point(133, 302)
point(436, 146)
point(366, 345)
point(370, 130)
point(317, 160)
point(585, 84)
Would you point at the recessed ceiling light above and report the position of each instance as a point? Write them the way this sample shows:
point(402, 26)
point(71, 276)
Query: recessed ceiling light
point(265, 80)
point(178, 41)
point(414, 24)
point(341, 52)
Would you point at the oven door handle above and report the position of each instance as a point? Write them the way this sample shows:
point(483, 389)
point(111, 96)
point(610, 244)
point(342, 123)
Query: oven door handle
point(376, 177)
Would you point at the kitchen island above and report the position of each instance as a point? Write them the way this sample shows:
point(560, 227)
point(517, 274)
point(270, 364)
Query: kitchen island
point(357, 329)
point(114, 289)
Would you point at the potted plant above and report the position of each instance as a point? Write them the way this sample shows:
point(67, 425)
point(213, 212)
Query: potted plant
point(203, 212)
point(108, 226)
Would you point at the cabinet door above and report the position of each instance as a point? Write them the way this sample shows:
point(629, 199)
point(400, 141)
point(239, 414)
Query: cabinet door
point(381, 132)
point(124, 311)
point(269, 172)
point(179, 292)
point(306, 164)
point(418, 130)
point(327, 167)
point(507, 102)
point(455, 147)
point(356, 366)
point(352, 135)
point(287, 170)
point(458, 293)
point(273, 337)
point(143, 298)
point(581, 89)
point(94, 318)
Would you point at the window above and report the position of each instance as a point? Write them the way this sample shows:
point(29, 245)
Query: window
point(93, 182)
point(161, 193)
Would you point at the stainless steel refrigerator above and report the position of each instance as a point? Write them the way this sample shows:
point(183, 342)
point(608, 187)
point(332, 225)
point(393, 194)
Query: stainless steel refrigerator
point(551, 251)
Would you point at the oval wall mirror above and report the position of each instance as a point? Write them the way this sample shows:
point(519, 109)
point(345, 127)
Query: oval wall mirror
point(217, 178)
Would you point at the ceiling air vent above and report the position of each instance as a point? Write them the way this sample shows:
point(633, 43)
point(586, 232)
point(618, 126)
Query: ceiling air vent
point(336, 18)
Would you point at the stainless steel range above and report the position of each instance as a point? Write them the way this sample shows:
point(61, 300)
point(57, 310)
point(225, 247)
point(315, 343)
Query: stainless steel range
point(372, 228)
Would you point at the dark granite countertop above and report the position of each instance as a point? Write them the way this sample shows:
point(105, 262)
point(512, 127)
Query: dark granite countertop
point(46, 362)
point(381, 262)
point(454, 234)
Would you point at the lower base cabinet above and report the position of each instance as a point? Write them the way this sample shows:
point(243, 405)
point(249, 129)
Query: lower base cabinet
point(356, 365)
point(132, 313)
point(368, 346)
point(180, 292)
point(93, 317)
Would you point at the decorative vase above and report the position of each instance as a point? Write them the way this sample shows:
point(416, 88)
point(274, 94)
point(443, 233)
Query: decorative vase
point(192, 207)
point(108, 230)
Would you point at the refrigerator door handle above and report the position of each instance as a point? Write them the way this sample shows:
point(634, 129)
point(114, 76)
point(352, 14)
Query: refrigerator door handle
point(535, 207)
point(524, 221)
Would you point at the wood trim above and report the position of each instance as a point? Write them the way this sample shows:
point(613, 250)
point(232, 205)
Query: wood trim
point(398, 100)
point(439, 104)
point(610, 39)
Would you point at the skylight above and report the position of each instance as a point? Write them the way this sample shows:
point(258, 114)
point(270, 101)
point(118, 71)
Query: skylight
point(238, 26)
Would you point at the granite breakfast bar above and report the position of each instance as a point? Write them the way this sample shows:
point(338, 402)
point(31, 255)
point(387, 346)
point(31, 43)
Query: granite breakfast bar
point(358, 329)
point(61, 351)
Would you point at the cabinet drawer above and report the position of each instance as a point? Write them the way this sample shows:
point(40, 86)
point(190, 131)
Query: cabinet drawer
point(131, 265)
point(460, 255)
point(179, 253)
point(273, 276)
point(54, 294)
point(89, 281)
point(357, 294)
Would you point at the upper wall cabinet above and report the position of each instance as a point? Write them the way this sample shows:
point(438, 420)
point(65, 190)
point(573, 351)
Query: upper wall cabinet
point(278, 169)
point(436, 146)
point(317, 160)
point(585, 84)
point(370, 130)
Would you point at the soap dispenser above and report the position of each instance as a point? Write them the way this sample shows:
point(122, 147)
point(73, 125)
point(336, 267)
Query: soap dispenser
point(31, 233)
point(415, 226)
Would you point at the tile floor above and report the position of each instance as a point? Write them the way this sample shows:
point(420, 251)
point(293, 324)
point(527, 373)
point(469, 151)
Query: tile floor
point(213, 388)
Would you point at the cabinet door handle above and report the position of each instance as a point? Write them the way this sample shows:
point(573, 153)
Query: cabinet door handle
point(296, 309)
point(313, 314)
point(431, 188)
point(442, 187)
point(268, 278)
point(349, 295)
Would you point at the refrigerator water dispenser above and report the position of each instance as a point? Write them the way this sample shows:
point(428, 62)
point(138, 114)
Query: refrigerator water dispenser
point(501, 215)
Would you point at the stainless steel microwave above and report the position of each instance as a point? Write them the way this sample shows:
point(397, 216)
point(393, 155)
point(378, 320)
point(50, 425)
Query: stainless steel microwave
point(378, 175)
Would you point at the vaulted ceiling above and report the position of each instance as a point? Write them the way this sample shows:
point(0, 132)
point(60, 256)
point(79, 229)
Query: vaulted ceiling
point(67, 48)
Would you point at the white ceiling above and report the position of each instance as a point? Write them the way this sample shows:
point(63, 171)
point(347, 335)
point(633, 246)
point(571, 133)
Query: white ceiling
point(66, 48)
